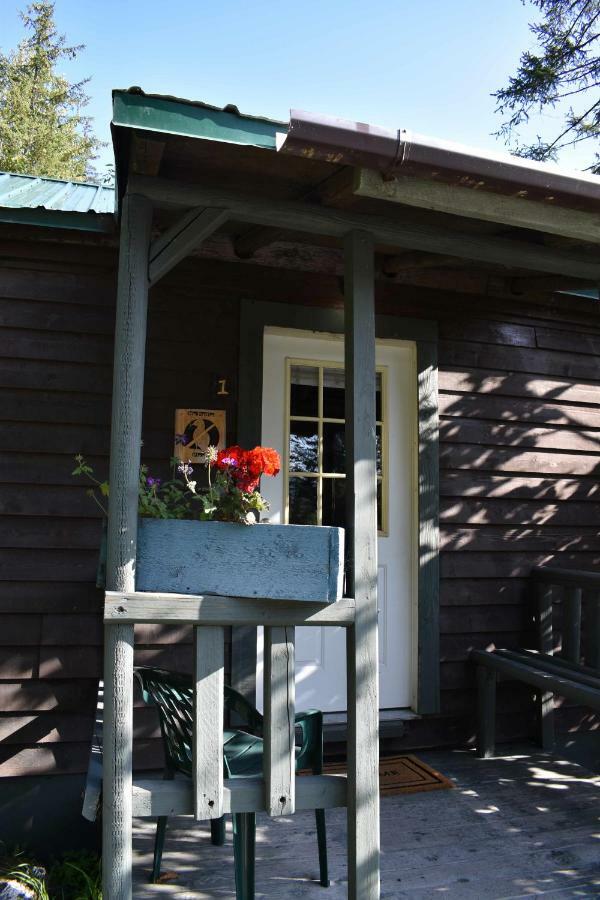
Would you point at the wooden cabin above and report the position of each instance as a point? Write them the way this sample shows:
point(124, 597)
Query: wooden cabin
point(487, 414)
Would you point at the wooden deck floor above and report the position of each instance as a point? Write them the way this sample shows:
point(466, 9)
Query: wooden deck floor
point(516, 826)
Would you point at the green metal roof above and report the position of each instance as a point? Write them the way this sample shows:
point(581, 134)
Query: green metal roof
point(190, 118)
point(32, 200)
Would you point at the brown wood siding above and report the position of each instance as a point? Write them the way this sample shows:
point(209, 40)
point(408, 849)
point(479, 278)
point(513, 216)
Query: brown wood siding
point(56, 326)
point(520, 451)
point(519, 463)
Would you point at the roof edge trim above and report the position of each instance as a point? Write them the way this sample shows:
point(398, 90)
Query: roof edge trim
point(171, 115)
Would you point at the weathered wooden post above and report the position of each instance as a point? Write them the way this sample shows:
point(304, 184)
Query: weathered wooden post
point(361, 641)
point(126, 433)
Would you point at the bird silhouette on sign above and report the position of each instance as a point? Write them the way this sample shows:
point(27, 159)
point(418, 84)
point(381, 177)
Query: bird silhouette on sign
point(199, 434)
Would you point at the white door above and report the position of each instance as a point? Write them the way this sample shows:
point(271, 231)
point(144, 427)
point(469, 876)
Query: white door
point(303, 418)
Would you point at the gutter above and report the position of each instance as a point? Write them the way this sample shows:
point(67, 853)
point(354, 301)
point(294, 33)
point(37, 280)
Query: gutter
point(404, 152)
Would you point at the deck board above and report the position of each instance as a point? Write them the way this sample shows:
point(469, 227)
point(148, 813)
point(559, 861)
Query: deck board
point(516, 826)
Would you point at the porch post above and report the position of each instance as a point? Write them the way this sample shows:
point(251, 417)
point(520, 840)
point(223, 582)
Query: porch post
point(125, 444)
point(361, 517)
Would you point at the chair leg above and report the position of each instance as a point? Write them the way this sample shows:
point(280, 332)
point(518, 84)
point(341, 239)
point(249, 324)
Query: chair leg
point(244, 842)
point(322, 844)
point(217, 831)
point(161, 827)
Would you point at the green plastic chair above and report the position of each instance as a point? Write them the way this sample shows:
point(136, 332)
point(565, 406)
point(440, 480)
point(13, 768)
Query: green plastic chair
point(173, 696)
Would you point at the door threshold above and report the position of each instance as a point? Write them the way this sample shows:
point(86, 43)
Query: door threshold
point(392, 723)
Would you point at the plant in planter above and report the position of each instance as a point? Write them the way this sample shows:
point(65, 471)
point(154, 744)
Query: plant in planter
point(192, 539)
point(232, 494)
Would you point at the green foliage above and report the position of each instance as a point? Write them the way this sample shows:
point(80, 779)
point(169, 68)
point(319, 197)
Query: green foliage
point(77, 876)
point(100, 488)
point(221, 500)
point(16, 866)
point(156, 499)
point(563, 73)
point(43, 130)
point(163, 500)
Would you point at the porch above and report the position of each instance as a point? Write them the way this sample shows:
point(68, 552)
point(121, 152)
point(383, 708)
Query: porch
point(522, 824)
point(164, 219)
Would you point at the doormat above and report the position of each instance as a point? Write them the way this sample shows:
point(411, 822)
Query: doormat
point(401, 775)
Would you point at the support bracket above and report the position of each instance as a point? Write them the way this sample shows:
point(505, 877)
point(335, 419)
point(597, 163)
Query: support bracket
point(181, 238)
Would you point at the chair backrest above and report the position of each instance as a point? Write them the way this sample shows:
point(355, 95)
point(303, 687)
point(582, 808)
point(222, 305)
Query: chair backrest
point(173, 695)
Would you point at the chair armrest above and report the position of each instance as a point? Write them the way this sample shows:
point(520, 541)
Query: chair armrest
point(310, 723)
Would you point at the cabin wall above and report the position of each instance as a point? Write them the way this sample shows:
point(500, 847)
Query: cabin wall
point(57, 307)
point(519, 456)
point(519, 461)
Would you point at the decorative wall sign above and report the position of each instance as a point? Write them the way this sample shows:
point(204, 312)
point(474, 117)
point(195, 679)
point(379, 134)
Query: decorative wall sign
point(196, 430)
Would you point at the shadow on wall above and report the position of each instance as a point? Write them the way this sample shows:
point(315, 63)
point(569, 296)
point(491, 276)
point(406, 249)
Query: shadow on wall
point(519, 461)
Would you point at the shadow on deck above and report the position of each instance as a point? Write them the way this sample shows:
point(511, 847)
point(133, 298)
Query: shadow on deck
point(520, 825)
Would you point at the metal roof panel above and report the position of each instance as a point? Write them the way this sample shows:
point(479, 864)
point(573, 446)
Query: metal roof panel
point(33, 192)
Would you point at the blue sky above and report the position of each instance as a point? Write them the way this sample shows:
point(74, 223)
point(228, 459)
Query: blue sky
point(426, 65)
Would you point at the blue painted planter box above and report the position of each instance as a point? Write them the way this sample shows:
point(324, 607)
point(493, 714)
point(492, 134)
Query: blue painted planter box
point(278, 562)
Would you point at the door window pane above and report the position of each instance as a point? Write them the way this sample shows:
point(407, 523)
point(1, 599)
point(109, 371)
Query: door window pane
point(304, 447)
point(378, 398)
point(303, 501)
point(304, 391)
point(317, 447)
point(334, 455)
point(333, 393)
point(334, 502)
point(379, 449)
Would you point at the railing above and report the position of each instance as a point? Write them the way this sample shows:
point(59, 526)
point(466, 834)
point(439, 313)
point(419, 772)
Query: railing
point(279, 792)
point(576, 587)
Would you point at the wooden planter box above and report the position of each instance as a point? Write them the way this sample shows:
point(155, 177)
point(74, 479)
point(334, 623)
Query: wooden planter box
point(278, 562)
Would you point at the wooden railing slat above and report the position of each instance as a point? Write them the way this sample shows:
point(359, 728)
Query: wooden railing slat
point(143, 607)
point(209, 666)
point(279, 721)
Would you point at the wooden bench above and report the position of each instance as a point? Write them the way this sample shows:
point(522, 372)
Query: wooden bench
point(549, 674)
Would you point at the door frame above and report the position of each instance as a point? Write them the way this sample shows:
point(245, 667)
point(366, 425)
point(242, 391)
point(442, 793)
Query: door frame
point(255, 316)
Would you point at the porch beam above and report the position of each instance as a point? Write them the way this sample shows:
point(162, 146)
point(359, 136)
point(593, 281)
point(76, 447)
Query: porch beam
point(181, 238)
point(484, 205)
point(361, 517)
point(295, 216)
point(125, 446)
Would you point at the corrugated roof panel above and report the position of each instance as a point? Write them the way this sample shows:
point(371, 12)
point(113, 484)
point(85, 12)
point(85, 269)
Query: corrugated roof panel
point(31, 192)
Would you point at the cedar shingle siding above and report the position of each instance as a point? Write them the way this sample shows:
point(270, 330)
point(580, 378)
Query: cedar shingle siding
point(520, 450)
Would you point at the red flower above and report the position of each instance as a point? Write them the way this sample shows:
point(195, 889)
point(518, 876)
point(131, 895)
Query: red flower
point(245, 467)
point(230, 457)
point(246, 482)
point(263, 461)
